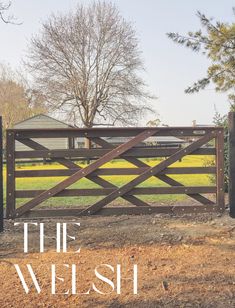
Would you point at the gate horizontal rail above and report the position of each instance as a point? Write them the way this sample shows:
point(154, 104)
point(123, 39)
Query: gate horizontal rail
point(133, 149)
point(114, 171)
point(95, 153)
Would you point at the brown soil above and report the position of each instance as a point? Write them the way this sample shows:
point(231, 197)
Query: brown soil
point(184, 261)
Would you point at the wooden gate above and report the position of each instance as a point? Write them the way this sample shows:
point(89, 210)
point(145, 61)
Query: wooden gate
point(131, 145)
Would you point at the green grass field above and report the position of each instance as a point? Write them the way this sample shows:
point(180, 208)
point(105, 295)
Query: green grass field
point(46, 182)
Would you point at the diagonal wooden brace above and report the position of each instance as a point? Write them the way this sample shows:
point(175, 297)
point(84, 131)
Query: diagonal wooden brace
point(147, 174)
point(94, 178)
point(85, 171)
point(168, 180)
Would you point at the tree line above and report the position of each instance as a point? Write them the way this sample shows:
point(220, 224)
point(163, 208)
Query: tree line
point(86, 65)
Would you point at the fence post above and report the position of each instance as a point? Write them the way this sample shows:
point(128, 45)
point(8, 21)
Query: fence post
point(231, 141)
point(1, 176)
point(10, 174)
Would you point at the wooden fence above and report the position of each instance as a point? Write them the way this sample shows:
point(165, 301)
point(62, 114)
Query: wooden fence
point(102, 152)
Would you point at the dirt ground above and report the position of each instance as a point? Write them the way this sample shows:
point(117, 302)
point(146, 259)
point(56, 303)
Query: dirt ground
point(186, 261)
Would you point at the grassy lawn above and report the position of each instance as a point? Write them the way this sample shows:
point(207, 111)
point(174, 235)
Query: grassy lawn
point(46, 183)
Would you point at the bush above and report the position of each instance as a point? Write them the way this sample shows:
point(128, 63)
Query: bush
point(219, 120)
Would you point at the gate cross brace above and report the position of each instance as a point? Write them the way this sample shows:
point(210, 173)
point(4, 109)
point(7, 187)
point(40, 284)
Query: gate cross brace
point(147, 174)
point(94, 178)
point(163, 177)
point(85, 171)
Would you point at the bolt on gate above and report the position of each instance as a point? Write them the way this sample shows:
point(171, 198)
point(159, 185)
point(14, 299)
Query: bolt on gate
point(133, 149)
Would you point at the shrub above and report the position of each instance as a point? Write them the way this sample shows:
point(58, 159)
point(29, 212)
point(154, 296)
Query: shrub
point(220, 120)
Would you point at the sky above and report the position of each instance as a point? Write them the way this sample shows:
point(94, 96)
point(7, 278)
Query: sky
point(170, 68)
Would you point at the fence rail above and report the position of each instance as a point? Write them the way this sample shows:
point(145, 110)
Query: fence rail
point(103, 152)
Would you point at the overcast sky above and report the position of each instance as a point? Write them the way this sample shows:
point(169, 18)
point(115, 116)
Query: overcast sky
point(169, 68)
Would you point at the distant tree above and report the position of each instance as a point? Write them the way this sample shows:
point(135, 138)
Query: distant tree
point(217, 41)
point(153, 123)
point(86, 63)
point(4, 16)
point(17, 102)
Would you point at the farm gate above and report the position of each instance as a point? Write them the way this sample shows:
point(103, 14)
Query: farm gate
point(134, 149)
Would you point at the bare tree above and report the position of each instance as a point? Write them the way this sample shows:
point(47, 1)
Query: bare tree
point(87, 64)
point(6, 18)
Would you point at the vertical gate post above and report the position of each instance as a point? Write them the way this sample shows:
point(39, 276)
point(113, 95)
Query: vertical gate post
point(231, 141)
point(1, 177)
point(10, 158)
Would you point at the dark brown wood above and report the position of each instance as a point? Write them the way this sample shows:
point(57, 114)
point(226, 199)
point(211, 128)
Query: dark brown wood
point(163, 177)
point(110, 211)
point(231, 159)
point(85, 171)
point(10, 157)
point(129, 151)
point(69, 164)
point(220, 169)
point(192, 194)
point(113, 171)
point(96, 153)
point(134, 191)
point(66, 192)
point(38, 147)
point(111, 131)
point(152, 171)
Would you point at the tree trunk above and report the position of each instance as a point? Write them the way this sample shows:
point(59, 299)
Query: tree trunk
point(87, 145)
